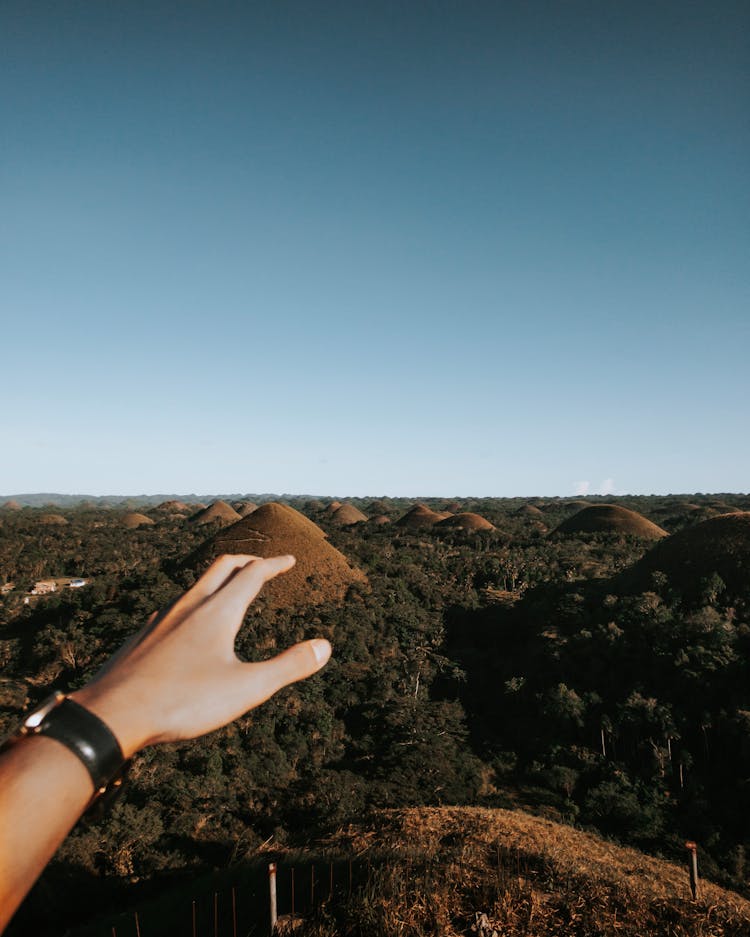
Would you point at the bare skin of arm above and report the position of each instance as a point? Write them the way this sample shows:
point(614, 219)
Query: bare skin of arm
point(178, 678)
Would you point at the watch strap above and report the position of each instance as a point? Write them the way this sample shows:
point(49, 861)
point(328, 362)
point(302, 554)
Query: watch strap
point(87, 737)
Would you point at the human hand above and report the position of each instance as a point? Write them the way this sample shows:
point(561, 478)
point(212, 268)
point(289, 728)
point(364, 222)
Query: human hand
point(179, 677)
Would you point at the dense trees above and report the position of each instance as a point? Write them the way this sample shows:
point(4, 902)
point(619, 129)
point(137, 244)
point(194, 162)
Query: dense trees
point(476, 664)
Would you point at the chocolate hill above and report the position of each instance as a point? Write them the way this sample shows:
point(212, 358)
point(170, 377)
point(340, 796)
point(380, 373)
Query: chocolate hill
point(173, 507)
point(133, 520)
point(346, 515)
point(12, 506)
point(718, 545)
point(333, 506)
point(465, 521)
point(53, 520)
point(321, 573)
point(420, 516)
point(529, 510)
point(243, 508)
point(377, 507)
point(217, 513)
point(379, 520)
point(610, 518)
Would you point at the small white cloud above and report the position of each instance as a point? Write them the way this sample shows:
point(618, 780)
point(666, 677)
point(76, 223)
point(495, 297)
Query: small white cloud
point(607, 487)
point(582, 488)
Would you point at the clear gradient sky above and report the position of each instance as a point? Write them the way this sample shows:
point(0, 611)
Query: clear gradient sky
point(450, 248)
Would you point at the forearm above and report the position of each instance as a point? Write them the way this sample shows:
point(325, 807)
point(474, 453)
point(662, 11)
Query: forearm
point(44, 789)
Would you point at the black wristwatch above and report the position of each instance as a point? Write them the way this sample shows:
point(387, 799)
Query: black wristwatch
point(79, 730)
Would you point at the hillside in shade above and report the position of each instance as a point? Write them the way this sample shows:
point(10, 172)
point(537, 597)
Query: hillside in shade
point(719, 545)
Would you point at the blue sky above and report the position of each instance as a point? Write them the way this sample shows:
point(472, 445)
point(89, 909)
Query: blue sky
point(364, 248)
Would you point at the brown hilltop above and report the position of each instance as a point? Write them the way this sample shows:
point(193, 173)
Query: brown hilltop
point(53, 520)
point(347, 515)
point(419, 516)
point(377, 507)
point(133, 520)
point(243, 508)
point(321, 573)
point(610, 518)
point(217, 513)
point(172, 507)
point(12, 505)
point(332, 506)
point(529, 510)
point(379, 520)
point(718, 545)
point(465, 521)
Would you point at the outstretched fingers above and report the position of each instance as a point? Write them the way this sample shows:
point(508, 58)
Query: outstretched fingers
point(296, 663)
point(242, 587)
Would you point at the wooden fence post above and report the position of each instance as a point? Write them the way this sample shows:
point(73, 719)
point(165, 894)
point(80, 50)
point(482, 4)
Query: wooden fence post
point(693, 867)
point(272, 894)
point(195, 923)
point(137, 924)
point(234, 913)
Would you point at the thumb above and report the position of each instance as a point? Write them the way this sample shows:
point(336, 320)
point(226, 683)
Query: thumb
point(296, 663)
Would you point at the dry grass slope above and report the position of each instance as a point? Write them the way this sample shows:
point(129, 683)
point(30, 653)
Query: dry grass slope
point(346, 515)
point(217, 513)
point(611, 518)
point(52, 520)
point(133, 520)
point(465, 521)
point(321, 573)
point(438, 868)
point(420, 516)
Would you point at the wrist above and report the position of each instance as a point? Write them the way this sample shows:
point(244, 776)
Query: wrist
point(116, 712)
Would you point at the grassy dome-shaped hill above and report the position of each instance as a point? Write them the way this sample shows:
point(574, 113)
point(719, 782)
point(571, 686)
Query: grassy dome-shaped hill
point(380, 520)
point(172, 507)
point(217, 513)
point(453, 507)
point(530, 511)
point(610, 518)
point(53, 520)
point(11, 505)
point(377, 507)
point(133, 520)
point(332, 506)
point(465, 521)
point(321, 574)
point(718, 545)
point(243, 508)
point(575, 505)
point(347, 515)
point(419, 516)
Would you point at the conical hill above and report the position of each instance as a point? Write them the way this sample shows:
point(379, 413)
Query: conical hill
point(419, 516)
point(243, 508)
point(217, 513)
point(53, 520)
point(321, 574)
point(689, 558)
point(173, 507)
point(610, 518)
point(346, 515)
point(133, 520)
point(465, 521)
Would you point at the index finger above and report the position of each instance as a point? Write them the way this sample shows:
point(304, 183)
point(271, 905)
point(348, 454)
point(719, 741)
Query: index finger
point(237, 594)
